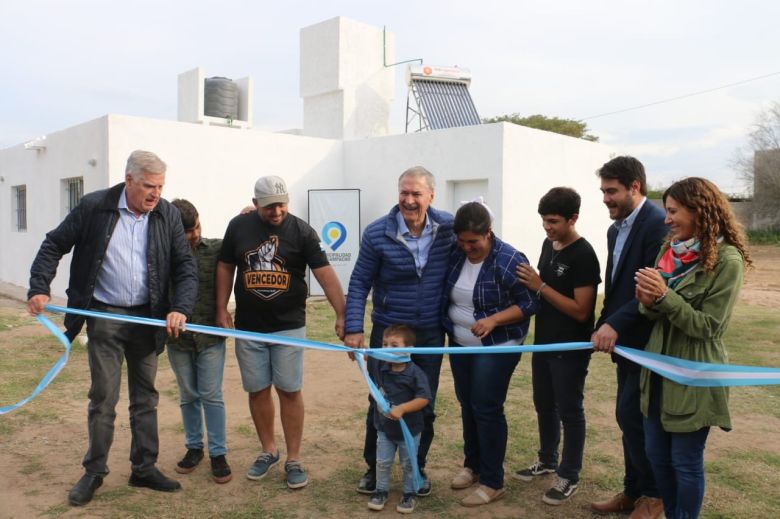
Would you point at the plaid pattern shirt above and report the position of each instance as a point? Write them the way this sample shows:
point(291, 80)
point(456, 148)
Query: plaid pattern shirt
point(497, 288)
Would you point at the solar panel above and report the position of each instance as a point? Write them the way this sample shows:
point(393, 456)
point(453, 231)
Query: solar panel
point(443, 101)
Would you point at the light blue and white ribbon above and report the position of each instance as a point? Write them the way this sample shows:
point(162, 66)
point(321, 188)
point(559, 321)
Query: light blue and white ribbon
point(701, 374)
point(53, 372)
point(685, 372)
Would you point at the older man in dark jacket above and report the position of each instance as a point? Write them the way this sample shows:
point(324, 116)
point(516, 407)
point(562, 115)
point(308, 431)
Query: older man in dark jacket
point(128, 247)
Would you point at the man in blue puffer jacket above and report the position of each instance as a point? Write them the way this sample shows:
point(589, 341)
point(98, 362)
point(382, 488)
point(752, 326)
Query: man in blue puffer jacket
point(403, 258)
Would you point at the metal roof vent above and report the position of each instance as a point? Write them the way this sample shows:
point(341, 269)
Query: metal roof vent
point(441, 96)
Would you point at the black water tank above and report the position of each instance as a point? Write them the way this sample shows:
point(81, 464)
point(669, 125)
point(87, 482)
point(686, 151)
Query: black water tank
point(221, 98)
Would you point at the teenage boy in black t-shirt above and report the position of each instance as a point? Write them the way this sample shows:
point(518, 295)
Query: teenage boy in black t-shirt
point(566, 286)
point(271, 249)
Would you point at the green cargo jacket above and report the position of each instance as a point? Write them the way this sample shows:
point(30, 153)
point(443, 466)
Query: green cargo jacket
point(206, 254)
point(689, 324)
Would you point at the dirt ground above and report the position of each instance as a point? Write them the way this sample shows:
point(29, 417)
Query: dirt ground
point(762, 283)
point(334, 392)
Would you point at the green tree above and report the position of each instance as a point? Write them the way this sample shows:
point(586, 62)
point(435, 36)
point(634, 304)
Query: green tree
point(569, 127)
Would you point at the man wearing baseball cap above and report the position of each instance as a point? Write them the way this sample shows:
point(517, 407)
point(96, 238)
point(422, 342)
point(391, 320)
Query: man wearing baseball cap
point(271, 249)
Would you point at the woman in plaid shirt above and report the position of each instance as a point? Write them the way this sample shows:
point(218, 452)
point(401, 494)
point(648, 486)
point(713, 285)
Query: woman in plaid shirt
point(484, 305)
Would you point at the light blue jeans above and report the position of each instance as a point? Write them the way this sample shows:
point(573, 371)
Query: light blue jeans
point(385, 455)
point(199, 376)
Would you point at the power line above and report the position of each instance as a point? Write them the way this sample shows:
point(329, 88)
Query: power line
point(681, 97)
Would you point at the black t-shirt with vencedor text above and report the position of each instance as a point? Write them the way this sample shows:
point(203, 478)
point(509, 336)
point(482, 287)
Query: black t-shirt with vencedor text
point(574, 266)
point(271, 262)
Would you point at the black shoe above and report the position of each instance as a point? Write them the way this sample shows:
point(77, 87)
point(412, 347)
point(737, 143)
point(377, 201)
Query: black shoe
point(154, 480)
point(82, 492)
point(562, 490)
point(220, 469)
point(425, 490)
point(189, 461)
point(367, 483)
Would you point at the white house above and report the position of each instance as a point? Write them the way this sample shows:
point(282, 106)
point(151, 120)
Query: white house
point(344, 144)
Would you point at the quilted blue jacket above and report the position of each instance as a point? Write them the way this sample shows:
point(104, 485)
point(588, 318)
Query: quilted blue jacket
point(386, 265)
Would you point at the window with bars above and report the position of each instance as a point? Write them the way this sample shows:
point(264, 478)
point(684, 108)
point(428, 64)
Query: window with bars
point(72, 191)
point(20, 207)
point(75, 192)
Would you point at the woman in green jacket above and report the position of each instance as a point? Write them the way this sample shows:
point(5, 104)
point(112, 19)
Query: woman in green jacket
point(690, 295)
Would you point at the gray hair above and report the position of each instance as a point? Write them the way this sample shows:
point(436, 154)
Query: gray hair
point(419, 172)
point(141, 162)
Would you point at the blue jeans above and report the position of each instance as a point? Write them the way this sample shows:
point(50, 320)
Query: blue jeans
point(638, 480)
point(678, 464)
point(199, 376)
point(431, 366)
point(385, 455)
point(558, 382)
point(481, 384)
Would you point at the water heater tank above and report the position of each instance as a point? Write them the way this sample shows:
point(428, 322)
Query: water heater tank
point(220, 98)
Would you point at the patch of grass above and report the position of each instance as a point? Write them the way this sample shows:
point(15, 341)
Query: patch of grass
point(57, 510)
point(10, 322)
point(256, 510)
point(742, 481)
point(246, 430)
point(170, 392)
point(7, 426)
point(115, 494)
point(31, 467)
point(752, 339)
point(765, 237)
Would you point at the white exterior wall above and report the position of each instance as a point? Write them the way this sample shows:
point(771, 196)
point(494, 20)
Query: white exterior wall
point(536, 161)
point(520, 165)
point(466, 153)
point(216, 168)
point(68, 154)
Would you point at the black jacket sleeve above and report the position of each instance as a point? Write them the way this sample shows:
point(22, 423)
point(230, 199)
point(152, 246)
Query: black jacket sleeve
point(184, 269)
point(57, 243)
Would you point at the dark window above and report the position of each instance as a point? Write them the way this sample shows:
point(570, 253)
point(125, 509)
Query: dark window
point(20, 207)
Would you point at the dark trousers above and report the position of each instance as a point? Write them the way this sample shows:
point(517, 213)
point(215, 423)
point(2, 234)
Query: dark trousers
point(638, 480)
point(109, 343)
point(431, 366)
point(559, 382)
point(481, 384)
point(678, 464)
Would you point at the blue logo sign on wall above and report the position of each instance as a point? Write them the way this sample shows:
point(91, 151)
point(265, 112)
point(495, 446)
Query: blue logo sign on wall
point(334, 234)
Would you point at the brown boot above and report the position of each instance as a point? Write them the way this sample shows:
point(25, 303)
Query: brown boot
point(647, 508)
point(618, 504)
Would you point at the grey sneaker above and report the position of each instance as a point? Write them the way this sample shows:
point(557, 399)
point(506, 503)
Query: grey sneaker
point(296, 474)
point(407, 504)
point(562, 490)
point(535, 470)
point(262, 465)
point(377, 501)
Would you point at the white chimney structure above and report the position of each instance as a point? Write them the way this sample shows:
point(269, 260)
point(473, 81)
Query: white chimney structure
point(346, 87)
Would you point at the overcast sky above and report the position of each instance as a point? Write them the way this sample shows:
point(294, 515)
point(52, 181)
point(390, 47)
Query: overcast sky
point(66, 62)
